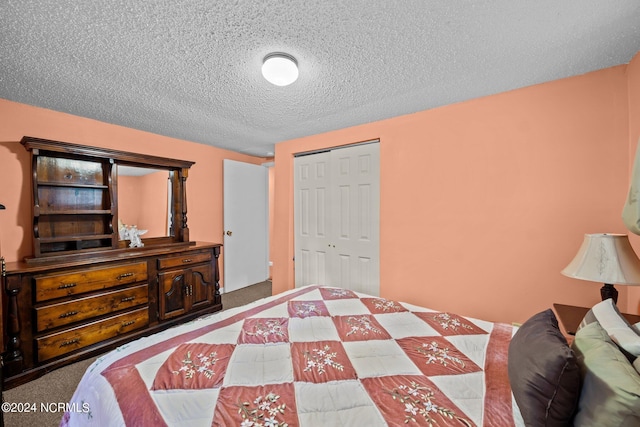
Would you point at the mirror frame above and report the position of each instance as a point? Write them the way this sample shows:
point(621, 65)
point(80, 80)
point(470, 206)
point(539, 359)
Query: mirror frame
point(178, 171)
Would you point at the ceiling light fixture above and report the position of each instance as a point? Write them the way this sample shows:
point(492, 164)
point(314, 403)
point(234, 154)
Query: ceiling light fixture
point(280, 69)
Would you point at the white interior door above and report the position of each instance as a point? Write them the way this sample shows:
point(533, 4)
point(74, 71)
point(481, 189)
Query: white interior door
point(246, 224)
point(337, 218)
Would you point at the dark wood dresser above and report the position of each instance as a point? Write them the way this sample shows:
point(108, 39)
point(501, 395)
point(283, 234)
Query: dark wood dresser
point(63, 312)
point(86, 289)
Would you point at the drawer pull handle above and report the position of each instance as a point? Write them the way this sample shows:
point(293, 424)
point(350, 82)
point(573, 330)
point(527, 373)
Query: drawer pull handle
point(68, 314)
point(70, 342)
point(124, 275)
point(127, 299)
point(129, 323)
point(67, 285)
point(186, 260)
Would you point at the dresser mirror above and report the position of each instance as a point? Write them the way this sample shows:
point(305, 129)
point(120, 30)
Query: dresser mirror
point(144, 201)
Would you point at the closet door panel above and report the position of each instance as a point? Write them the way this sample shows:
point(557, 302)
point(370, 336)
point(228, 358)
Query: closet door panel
point(356, 207)
point(311, 221)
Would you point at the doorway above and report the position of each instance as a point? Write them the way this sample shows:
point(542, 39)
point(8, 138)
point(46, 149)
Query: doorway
point(246, 224)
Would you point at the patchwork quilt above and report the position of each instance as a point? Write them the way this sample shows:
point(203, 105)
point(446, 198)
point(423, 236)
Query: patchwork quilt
point(313, 356)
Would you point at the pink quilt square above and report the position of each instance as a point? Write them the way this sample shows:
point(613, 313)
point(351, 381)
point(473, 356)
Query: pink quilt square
point(194, 366)
point(381, 305)
point(307, 309)
point(336, 293)
point(450, 324)
point(321, 361)
point(264, 330)
point(360, 328)
point(436, 356)
point(268, 405)
point(413, 400)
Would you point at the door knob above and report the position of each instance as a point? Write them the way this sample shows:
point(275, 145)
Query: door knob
point(229, 233)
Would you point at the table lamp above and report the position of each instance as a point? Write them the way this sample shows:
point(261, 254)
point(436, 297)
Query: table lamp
point(608, 259)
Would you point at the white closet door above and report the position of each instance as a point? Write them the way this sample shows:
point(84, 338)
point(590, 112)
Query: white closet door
point(312, 239)
point(337, 218)
point(356, 218)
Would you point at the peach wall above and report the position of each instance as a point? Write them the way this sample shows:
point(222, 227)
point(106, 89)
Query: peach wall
point(484, 202)
point(128, 206)
point(633, 79)
point(142, 201)
point(204, 185)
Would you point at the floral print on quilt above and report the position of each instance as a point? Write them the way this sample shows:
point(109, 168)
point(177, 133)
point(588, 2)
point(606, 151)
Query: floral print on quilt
point(450, 324)
point(381, 305)
point(194, 366)
point(307, 308)
point(337, 293)
point(360, 328)
point(437, 356)
point(269, 406)
point(313, 356)
point(413, 400)
point(262, 331)
point(321, 361)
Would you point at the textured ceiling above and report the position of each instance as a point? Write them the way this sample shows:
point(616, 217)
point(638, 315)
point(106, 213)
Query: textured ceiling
point(191, 69)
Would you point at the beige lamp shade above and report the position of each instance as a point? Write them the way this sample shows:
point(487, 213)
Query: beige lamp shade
point(605, 258)
point(608, 259)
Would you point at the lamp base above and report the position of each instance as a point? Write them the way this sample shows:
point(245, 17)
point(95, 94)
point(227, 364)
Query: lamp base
point(608, 291)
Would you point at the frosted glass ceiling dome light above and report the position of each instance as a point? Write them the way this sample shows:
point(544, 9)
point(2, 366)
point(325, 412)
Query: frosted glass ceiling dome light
point(280, 69)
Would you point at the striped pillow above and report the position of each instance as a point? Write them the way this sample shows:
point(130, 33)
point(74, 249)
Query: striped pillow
point(625, 335)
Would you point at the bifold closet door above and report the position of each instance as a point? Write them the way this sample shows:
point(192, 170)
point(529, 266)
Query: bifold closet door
point(337, 218)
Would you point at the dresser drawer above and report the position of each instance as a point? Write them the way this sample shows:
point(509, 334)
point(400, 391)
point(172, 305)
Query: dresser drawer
point(73, 283)
point(184, 260)
point(53, 345)
point(64, 313)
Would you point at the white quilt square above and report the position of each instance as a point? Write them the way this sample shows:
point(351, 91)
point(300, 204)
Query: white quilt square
point(279, 310)
point(191, 408)
point(227, 335)
point(482, 324)
point(465, 391)
point(346, 307)
point(405, 324)
point(253, 364)
point(336, 403)
point(472, 346)
point(377, 358)
point(149, 368)
point(320, 328)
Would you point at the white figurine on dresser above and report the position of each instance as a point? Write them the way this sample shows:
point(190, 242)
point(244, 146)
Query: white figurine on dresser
point(131, 233)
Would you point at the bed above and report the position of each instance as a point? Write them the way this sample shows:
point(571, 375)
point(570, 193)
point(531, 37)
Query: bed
point(323, 356)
